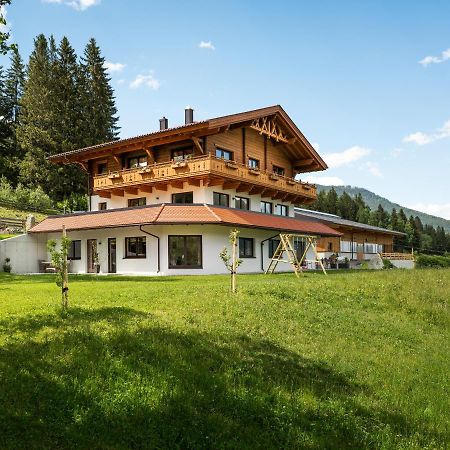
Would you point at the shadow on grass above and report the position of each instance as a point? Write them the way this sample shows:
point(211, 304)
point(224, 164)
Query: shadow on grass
point(140, 385)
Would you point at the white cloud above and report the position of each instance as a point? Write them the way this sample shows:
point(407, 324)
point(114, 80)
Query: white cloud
point(121, 81)
point(79, 5)
point(3, 12)
point(113, 67)
point(420, 138)
point(206, 44)
point(373, 168)
point(326, 181)
point(146, 80)
point(315, 146)
point(345, 157)
point(435, 59)
point(436, 209)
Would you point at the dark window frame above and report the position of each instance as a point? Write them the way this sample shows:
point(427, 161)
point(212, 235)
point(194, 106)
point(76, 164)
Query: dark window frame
point(174, 195)
point(185, 236)
point(73, 254)
point(243, 240)
point(280, 207)
point(253, 166)
point(265, 204)
point(102, 164)
point(136, 255)
point(138, 200)
point(221, 195)
point(186, 152)
point(273, 245)
point(238, 198)
point(278, 170)
point(101, 204)
point(138, 158)
point(224, 150)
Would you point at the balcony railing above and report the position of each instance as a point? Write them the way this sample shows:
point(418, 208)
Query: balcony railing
point(201, 167)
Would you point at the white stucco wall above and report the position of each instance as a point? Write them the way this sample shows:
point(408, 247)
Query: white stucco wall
point(24, 251)
point(214, 238)
point(201, 195)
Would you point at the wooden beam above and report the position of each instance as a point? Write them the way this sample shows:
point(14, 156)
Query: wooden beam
point(131, 191)
point(161, 187)
point(146, 188)
point(84, 165)
point(150, 155)
point(193, 182)
point(231, 184)
point(213, 182)
point(117, 160)
point(268, 193)
point(303, 162)
point(177, 184)
point(103, 194)
point(243, 187)
point(198, 145)
point(117, 192)
point(256, 190)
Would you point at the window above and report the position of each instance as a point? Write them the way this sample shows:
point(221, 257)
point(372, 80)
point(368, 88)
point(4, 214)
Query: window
point(224, 154)
point(253, 163)
point(141, 201)
point(273, 245)
point(102, 168)
point(135, 247)
point(220, 199)
point(102, 206)
point(246, 247)
point(183, 197)
point(180, 154)
point(185, 252)
point(330, 246)
point(278, 170)
point(74, 251)
point(266, 207)
point(282, 210)
point(346, 247)
point(242, 203)
point(370, 248)
point(136, 161)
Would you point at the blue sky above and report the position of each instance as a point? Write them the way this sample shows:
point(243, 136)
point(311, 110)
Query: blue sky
point(367, 82)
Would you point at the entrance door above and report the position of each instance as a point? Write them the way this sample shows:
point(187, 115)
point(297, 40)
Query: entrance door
point(91, 255)
point(112, 267)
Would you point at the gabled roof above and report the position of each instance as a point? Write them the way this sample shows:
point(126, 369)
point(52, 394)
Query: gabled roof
point(198, 129)
point(332, 219)
point(170, 214)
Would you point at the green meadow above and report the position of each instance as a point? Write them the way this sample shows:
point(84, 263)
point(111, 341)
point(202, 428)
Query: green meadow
point(350, 360)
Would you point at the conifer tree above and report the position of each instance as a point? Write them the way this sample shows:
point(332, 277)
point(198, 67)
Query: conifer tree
point(100, 112)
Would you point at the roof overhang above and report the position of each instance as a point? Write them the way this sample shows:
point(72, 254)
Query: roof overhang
point(295, 139)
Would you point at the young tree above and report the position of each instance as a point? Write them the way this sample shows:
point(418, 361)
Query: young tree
point(332, 202)
point(60, 262)
point(232, 262)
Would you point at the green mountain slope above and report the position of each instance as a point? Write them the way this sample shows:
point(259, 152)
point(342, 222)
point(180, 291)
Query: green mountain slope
point(373, 200)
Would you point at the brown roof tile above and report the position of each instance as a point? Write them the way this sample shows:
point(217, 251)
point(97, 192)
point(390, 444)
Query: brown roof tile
point(179, 214)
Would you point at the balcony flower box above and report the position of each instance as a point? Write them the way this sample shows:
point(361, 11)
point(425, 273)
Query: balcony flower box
point(113, 176)
point(254, 171)
point(145, 170)
point(291, 182)
point(178, 164)
point(274, 176)
point(231, 164)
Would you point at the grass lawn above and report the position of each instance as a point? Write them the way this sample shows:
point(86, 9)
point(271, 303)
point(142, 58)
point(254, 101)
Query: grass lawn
point(6, 236)
point(352, 360)
point(19, 214)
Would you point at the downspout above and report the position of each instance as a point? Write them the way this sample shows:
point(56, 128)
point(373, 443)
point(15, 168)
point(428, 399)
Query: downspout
point(262, 247)
point(157, 237)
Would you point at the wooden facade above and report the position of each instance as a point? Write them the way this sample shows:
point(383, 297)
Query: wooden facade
point(259, 152)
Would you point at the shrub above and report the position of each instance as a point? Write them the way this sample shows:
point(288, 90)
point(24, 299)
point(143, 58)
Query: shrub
point(387, 264)
point(432, 261)
point(24, 197)
point(7, 266)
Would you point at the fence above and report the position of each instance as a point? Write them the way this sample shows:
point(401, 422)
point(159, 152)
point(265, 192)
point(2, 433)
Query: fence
point(26, 207)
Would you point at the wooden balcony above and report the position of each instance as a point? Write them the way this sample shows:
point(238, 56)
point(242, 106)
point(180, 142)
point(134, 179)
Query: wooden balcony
point(209, 170)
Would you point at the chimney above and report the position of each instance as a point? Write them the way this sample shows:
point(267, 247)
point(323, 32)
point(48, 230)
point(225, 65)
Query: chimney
point(163, 123)
point(188, 115)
